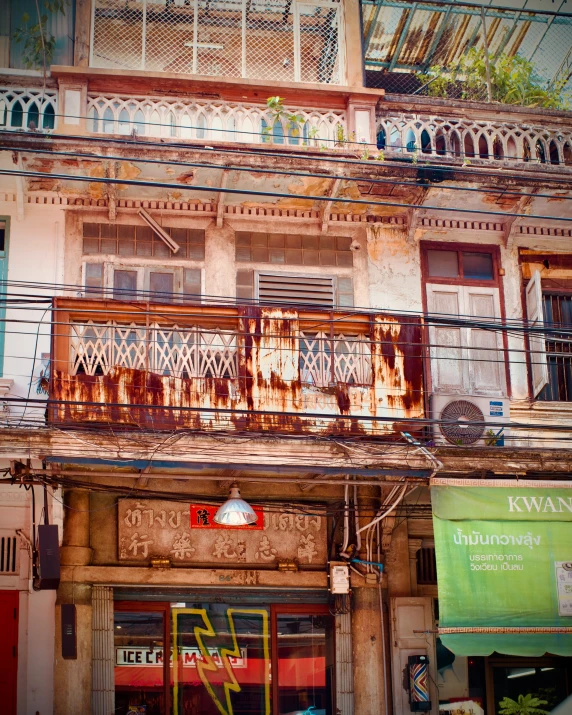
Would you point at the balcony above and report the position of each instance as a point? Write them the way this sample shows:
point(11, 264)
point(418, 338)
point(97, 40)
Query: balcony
point(233, 368)
point(474, 133)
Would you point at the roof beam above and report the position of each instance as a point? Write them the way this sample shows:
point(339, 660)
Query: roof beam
point(328, 206)
point(436, 40)
point(221, 198)
point(402, 37)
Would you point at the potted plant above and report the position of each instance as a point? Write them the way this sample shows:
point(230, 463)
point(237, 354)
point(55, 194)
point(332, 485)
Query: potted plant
point(525, 705)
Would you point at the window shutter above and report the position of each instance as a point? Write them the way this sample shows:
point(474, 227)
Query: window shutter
point(485, 347)
point(537, 341)
point(448, 369)
point(298, 290)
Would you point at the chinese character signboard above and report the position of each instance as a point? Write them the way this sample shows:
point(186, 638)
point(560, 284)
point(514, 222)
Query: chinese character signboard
point(504, 566)
point(202, 517)
point(185, 533)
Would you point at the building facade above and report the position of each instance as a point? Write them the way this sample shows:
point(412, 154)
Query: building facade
point(227, 259)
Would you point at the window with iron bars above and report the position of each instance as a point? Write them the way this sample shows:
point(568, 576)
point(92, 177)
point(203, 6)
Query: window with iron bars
point(558, 315)
point(276, 39)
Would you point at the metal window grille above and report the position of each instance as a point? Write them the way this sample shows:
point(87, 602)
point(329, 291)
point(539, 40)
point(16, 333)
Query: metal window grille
point(8, 554)
point(426, 566)
point(558, 314)
point(274, 39)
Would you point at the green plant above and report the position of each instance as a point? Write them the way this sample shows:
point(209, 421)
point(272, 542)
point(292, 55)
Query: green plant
point(513, 81)
point(340, 135)
point(365, 154)
point(380, 155)
point(414, 157)
point(275, 105)
point(525, 705)
point(39, 45)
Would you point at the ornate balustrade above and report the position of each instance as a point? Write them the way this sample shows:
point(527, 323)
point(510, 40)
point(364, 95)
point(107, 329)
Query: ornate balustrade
point(212, 121)
point(27, 109)
point(466, 139)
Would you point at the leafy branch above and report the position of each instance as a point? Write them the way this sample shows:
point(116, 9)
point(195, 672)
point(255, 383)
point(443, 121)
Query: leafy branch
point(513, 81)
point(525, 705)
point(38, 44)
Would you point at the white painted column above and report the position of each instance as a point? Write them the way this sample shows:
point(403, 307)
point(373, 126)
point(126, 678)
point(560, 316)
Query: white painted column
point(103, 689)
point(344, 665)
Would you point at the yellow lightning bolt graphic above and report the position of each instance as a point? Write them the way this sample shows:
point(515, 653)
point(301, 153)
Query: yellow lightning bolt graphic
point(209, 666)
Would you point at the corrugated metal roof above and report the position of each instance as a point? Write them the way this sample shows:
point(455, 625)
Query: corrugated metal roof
point(401, 35)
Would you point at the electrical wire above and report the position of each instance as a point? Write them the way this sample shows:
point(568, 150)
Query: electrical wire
point(275, 154)
point(269, 194)
point(279, 172)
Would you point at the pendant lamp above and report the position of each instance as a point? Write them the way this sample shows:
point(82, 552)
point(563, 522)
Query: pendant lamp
point(235, 511)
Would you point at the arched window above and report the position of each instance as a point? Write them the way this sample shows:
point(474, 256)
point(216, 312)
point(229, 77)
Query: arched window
point(381, 138)
point(425, 142)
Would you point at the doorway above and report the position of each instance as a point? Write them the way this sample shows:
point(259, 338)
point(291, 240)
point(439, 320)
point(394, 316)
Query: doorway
point(9, 650)
point(225, 658)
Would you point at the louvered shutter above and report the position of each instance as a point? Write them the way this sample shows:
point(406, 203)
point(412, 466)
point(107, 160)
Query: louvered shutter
point(485, 353)
point(288, 289)
point(537, 341)
point(448, 369)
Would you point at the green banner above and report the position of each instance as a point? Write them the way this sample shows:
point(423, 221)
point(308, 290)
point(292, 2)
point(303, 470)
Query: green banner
point(504, 561)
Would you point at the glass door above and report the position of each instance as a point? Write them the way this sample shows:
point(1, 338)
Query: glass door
point(221, 660)
point(141, 641)
point(304, 653)
point(224, 658)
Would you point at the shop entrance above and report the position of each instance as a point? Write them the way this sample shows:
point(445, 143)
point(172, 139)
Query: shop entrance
point(548, 679)
point(8, 649)
point(226, 658)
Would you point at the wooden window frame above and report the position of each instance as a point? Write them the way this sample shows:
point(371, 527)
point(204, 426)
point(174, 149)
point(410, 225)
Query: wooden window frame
point(460, 248)
point(275, 610)
point(496, 282)
point(143, 271)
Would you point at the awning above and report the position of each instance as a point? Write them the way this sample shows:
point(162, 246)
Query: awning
point(504, 565)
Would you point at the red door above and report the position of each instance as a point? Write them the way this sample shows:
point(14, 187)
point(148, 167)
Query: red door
point(8, 650)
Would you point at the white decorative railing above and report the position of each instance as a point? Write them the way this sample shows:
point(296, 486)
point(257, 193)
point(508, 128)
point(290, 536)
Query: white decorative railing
point(465, 139)
point(96, 348)
point(26, 109)
point(352, 359)
point(212, 121)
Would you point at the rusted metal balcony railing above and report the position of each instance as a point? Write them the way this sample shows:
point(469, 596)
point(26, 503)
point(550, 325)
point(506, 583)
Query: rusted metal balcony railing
point(188, 366)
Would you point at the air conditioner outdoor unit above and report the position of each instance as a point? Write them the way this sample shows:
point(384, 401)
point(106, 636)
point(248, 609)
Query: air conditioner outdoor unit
point(470, 419)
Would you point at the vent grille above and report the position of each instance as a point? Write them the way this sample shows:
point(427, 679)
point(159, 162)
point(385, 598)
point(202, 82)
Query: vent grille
point(8, 554)
point(426, 566)
point(298, 290)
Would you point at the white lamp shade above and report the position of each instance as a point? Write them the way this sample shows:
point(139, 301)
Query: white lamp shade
point(235, 511)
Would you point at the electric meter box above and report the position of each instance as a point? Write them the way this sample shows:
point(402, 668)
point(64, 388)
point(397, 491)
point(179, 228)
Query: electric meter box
point(339, 578)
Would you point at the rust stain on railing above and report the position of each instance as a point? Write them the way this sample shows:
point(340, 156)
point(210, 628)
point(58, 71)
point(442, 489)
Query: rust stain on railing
point(267, 394)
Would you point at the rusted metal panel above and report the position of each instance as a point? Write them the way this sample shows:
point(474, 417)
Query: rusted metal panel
point(267, 394)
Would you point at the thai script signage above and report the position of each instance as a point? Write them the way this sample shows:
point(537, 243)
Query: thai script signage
point(504, 565)
point(149, 529)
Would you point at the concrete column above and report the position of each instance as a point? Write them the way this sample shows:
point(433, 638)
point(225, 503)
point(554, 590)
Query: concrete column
point(76, 549)
point(353, 43)
point(103, 688)
point(220, 264)
point(397, 563)
point(72, 678)
point(82, 33)
point(367, 647)
point(414, 546)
